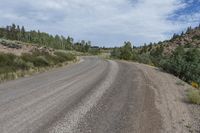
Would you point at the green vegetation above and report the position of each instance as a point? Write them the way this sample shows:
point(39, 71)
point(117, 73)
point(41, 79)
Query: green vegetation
point(181, 83)
point(18, 33)
point(12, 66)
point(63, 55)
point(183, 61)
point(178, 56)
point(125, 53)
point(194, 96)
point(14, 37)
point(184, 64)
point(94, 50)
point(196, 37)
point(10, 44)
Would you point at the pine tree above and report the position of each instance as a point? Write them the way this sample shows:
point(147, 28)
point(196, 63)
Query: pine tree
point(23, 33)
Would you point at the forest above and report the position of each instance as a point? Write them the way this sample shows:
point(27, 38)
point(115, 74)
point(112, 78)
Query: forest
point(15, 32)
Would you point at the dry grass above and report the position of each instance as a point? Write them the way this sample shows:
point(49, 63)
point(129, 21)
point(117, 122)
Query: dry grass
point(195, 85)
point(194, 96)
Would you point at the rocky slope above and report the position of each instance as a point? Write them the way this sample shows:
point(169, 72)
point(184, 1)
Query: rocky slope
point(17, 47)
point(189, 39)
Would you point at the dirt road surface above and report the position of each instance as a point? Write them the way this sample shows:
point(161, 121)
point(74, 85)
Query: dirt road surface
point(94, 96)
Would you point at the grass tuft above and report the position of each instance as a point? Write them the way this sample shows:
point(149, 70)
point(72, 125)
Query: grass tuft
point(194, 96)
point(195, 85)
point(181, 83)
point(65, 55)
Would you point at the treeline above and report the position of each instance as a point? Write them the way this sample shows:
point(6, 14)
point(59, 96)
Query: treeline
point(15, 32)
point(182, 62)
point(188, 31)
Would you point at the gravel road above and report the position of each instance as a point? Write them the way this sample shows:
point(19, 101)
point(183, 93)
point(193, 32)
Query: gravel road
point(93, 96)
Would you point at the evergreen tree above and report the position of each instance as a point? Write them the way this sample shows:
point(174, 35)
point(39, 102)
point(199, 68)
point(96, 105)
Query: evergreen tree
point(126, 51)
point(23, 36)
point(14, 32)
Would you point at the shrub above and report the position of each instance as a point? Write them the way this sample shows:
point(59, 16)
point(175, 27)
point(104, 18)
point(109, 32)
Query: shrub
point(27, 57)
point(94, 51)
point(10, 44)
point(194, 96)
point(196, 37)
point(181, 83)
point(115, 53)
point(6, 59)
point(67, 56)
point(126, 51)
point(12, 66)
point(195, 85)
point(184, 64)
point(144, 58)
point(21, 64)
point(9, 76)
point(40, 61)
point(53, 59)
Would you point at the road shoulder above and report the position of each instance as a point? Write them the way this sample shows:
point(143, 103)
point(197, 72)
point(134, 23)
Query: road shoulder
point(170, 99)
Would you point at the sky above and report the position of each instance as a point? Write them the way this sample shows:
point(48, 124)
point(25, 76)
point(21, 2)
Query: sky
point(104, 22)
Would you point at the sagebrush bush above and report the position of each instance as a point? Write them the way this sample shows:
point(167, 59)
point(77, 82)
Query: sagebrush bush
point(144, 58)
point(40, 61)
point(65, 55)
point(21, 64)
point(10, 44)
point(184, 64)
point(6, 59)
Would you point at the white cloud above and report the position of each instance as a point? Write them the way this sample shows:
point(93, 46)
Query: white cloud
point(102, 21)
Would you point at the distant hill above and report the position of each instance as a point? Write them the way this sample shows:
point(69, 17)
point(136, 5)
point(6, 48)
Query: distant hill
point(189, 39)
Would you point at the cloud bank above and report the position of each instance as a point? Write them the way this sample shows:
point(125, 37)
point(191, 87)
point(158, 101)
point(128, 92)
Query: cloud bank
point(104, 22)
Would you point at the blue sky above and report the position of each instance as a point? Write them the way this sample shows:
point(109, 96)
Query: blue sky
point(104, 22)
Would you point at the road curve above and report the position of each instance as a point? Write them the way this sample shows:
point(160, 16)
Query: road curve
point(93, 96)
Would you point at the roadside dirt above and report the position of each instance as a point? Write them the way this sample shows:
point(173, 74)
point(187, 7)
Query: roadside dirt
point(170, 98)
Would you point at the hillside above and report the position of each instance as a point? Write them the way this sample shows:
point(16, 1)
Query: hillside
point(189, 39)
point(18, 59)
point(179, 56)
point(25, 52)
point(18, 47)
point(20, 34)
